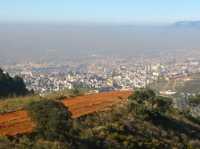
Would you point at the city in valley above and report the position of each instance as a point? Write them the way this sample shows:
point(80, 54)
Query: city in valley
point(105, 73)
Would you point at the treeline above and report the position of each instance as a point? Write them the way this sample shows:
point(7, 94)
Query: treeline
point(12, 86)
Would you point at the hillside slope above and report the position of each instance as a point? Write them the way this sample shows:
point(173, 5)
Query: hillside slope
point(19, 122)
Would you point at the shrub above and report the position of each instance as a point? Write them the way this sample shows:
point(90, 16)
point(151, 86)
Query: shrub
point(52, 118)
point(142, 95)
point(145, 100)
point(162, 104)
point(140, 99)
point(5, 143)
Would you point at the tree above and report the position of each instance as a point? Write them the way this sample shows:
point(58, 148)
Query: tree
point(142, 95)
point(11, 86)
point(52, 118)
point(146, 100)
point(162, 104)
point(139, 101)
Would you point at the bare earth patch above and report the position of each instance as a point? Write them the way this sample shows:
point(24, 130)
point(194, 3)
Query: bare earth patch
point(19, 122)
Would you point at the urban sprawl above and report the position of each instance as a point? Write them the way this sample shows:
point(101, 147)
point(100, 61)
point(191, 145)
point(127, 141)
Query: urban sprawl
point(99, 73)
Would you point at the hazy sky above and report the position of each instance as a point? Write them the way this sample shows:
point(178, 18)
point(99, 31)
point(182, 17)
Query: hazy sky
point(104, 11)
point(37, 41)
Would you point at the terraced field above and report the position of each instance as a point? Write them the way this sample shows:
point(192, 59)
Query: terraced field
point(15, 123)
point(19, 122)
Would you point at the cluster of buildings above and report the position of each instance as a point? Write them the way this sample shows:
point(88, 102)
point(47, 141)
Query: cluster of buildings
point(101, 73)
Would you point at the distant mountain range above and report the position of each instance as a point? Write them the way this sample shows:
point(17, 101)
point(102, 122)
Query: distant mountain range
point(187, 24)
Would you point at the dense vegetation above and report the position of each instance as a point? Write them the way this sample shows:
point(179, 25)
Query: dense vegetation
point(52, 118)
point(11, 86)
point(145, 121)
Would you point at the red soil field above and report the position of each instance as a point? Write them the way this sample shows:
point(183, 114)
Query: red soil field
point(19, 122)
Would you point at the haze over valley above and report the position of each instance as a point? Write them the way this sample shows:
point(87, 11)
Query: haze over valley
point(50, 41)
